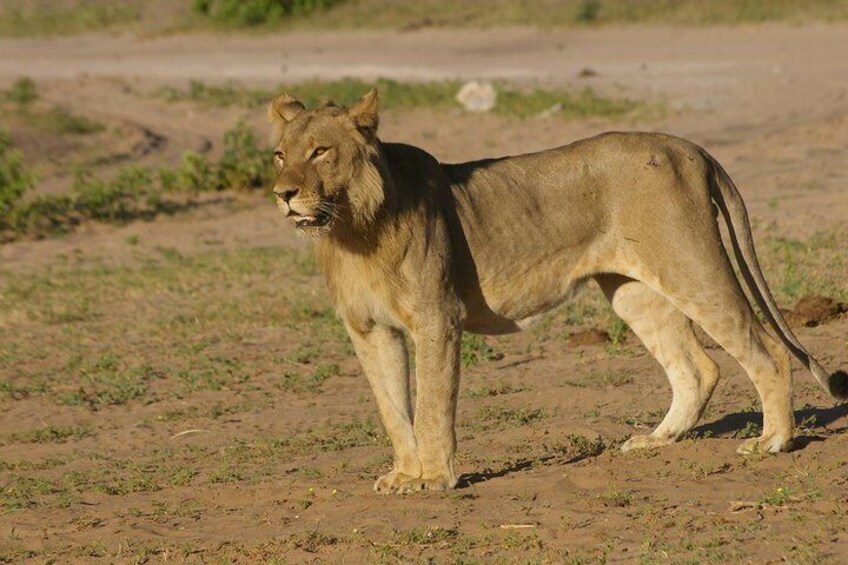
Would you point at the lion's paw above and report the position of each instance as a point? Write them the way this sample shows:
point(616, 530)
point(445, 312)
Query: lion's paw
point(391, 482)
point(400, 483)
point(645, 442)
point(771, 444)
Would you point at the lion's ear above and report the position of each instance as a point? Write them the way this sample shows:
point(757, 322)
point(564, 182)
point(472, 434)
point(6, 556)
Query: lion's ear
point(364, 111)
point(284, 108)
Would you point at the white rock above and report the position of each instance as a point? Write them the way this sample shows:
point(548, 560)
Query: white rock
point(477, 96)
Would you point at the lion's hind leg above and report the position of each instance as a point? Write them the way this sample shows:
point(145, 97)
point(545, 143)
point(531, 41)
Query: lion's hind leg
point(668, 335)
point(707, 292)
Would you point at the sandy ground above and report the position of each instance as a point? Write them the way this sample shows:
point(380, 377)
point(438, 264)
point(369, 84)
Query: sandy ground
point(770, 102)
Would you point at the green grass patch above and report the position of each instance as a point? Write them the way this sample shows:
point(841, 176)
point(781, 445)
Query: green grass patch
point(501, 417)
point(50, 434)
point(511, 100)
point(310, 382)
point(475, 349)
point(61, 120)
point(19, 103)
point(570, 13)
point(335, 437)
point(198, 305)
point(22, 18)
point(106, 381)
point(799, 267)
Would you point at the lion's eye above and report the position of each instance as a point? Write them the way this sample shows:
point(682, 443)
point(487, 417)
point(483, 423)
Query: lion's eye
point(318, 151)
point(279, 157)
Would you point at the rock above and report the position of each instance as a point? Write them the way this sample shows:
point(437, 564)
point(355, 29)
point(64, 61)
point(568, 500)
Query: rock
point(552, 111)
point(592, 336)
point(477, 96)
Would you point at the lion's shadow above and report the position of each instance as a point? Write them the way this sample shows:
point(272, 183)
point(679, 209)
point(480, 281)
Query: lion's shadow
point(814, 421)
point(471, 479)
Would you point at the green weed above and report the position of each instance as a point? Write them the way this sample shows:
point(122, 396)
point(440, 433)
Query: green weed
point(105, 381)
point(15, 177)
point(487, 391)
point(253, 13)
point(504, 417)
point(335, 437)
point(295, 382)
point(800, 267)
point(474, 349)
point(617, 498)
point(311, 541)
point(777, 497)
point(579, 447)
point(751, 429)
point(50, 434)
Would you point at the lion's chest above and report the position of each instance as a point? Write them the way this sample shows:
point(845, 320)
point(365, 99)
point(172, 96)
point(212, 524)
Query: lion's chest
point(366, 293)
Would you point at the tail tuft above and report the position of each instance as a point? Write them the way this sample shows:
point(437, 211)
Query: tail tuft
point(837, 383)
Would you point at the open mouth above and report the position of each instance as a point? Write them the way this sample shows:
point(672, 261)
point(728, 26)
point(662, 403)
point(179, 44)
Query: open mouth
point(315, 221)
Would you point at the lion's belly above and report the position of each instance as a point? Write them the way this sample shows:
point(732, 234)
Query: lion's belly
point(511, 304)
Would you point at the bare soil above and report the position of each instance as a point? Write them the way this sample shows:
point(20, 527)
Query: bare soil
point(268, 467)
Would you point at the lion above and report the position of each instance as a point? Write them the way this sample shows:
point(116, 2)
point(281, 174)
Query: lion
point(411, 245)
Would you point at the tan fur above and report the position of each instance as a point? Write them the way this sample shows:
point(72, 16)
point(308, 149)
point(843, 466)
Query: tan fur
point(411, 245)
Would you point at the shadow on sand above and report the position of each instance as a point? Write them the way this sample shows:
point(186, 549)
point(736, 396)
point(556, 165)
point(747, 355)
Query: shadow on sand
point(816, 424)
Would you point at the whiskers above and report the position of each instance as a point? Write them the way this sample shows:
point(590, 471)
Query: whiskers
point(328, 209)
point(324, 209)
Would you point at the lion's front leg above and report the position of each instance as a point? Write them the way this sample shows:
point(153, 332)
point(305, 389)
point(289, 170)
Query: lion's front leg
point(383, 355)
point(437, 346)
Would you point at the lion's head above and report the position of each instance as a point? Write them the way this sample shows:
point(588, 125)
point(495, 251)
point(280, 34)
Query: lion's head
point(327, 163)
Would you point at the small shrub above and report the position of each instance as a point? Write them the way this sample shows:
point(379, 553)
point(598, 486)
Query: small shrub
point(588, 10)
point(23, 91)
point(243, 165)
point(253, 13)
point(135, 192)
point(15, 178)
point(110, 200)
point(194, 176)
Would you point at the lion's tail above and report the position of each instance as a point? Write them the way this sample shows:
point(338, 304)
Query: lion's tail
point(726, 196)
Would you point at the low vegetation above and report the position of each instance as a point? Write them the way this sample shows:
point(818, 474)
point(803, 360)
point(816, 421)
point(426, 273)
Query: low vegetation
point(19, 103)
point(252, 13)
point(21, 18)
point(15, 177)
point(40, 17)
point(135, 192)
point(511, 100)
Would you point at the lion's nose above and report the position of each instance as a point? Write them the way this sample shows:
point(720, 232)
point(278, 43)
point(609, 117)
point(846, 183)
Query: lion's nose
point(286, 193)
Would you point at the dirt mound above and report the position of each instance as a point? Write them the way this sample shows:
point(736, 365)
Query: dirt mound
point(812, 310)
point(592, 336)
